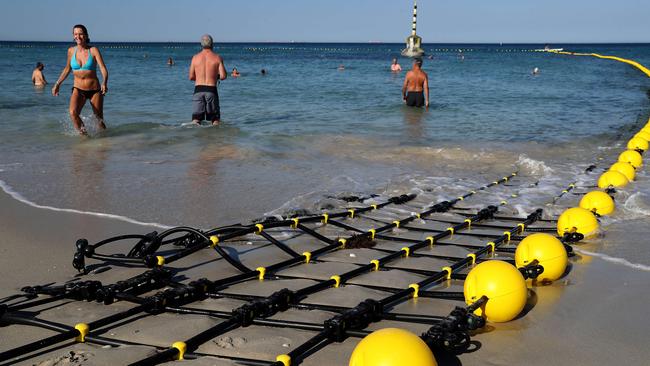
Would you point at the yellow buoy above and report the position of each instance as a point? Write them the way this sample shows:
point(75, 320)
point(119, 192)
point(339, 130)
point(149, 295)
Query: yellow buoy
point(598, 202)
point(547, 250)
point(637, 143)
point(624, 168)
point(612, 179)
point(632, 157)
point(504, 286)
point(392, 347)
point(577, 219)
point(644, 134)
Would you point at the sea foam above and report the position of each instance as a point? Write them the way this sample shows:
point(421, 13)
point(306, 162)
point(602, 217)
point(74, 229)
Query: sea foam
point(17, 196)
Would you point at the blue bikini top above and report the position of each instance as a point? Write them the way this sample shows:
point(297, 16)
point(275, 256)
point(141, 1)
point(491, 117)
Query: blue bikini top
point(89, 65)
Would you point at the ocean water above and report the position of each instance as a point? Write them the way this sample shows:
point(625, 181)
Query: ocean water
point(307, 132)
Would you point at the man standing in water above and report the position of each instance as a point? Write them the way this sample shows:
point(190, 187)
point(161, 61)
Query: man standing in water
point(37, 75)
point(415, 91)
point(206, 70)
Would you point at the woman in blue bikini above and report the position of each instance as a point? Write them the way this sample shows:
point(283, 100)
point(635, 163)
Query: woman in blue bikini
point(83, 60)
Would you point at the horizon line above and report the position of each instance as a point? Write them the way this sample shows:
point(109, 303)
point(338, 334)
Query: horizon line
point(352, 42)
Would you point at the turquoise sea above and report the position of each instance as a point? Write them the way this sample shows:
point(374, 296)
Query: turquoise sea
point(307, 132)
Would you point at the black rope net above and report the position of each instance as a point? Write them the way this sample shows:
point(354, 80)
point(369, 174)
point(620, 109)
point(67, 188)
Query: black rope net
point(299, 283)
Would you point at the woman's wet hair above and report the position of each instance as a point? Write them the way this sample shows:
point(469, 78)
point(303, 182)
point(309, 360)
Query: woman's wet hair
point(83, 28)
point(39, 65)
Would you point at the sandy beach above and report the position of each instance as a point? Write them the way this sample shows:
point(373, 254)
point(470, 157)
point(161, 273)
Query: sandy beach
point(591, 316)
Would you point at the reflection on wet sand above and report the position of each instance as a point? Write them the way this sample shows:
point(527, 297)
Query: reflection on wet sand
point(204, 190)
point(413, 122)
point(87, 165)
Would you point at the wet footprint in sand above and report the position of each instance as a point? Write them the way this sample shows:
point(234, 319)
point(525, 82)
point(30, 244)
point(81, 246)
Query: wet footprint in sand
point(230, 342)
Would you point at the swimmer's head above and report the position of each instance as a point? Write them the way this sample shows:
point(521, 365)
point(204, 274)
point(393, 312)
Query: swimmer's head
point(394, 60)
point(39, 65)
point(417, 61)
point(206, 41)
point(83, 30)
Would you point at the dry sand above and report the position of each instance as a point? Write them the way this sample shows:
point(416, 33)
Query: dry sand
point(593, 316)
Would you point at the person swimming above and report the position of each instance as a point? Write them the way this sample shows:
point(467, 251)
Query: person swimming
point(37, 75)
point(395, 67)
point(535, 71)
point(235, 73)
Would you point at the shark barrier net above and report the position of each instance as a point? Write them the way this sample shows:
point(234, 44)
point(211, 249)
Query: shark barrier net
point(349, 275)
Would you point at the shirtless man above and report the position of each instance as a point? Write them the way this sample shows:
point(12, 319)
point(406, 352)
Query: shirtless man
point(37, 75)
point(395, 67)
point(415, 91)
point(206, 70)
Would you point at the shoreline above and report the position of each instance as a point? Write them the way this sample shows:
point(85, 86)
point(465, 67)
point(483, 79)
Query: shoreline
point(589, 316)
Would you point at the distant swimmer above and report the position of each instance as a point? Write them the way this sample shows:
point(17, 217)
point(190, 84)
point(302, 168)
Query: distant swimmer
point(395, 67)
point(341, 67)
point(235, 73)
point(263, 72)
point(206, 70)
point(83, 60)
point(415, 91)
point(170, 61)
point(37, 75)
point(536, 71)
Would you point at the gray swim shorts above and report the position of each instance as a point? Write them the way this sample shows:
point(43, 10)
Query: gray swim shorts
point(205, 103)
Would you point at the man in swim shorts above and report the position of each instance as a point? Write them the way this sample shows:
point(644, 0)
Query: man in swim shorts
point(415, 90)
point(206, 70)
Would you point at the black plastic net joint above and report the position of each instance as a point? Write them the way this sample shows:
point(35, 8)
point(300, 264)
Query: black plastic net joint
point(359, 317)
point(532, 270)
point(149, 244)
point(572, 237)
point(610, 191)
point(452, 333)
point(276, 302)
point(590, 168)
point(536, 215)
point(398, 200)
point(487, 213)
point(83, 250)
point(443, 206)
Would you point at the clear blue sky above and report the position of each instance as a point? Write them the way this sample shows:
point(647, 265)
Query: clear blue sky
point(507, 21)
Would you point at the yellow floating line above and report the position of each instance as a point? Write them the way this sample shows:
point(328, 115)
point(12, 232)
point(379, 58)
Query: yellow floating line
point(624, 60)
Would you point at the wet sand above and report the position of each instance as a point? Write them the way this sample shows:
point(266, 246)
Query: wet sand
point(594, 315)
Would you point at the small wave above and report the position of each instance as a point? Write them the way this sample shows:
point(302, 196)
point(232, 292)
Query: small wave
point(637, 204)
point(534, 167)
point(17, 196)
point(616, 260)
